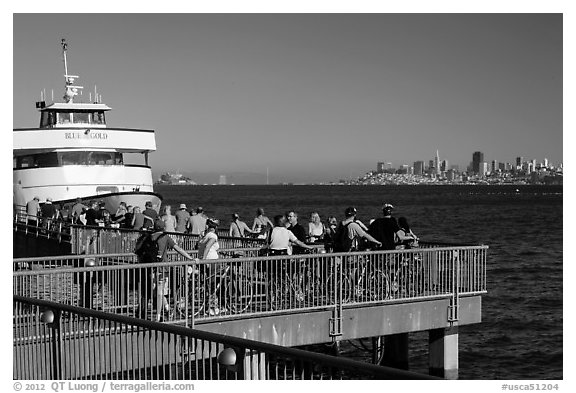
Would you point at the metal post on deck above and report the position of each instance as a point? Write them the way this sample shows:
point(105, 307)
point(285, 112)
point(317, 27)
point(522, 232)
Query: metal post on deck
point(52, 320)
point(455, 299)
point(336, 319)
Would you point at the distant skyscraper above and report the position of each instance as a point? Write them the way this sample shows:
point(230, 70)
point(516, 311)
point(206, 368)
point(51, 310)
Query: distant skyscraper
point(483, 169)
point(380, 167)
point(437, 163)
point(222, 180)
point(419, 167)
point(477, 159)
point(519, 161)
point(444, 166)
point(545, 163)
point(495, 166)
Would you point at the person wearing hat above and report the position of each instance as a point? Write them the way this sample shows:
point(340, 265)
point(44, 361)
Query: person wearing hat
point(197, 222)
point(238, 228)
point(350, 232)
point(48, 209)
point(182, 218)
point(386, 229)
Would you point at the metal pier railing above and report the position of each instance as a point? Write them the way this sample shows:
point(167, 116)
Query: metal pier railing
point(57, 341)
point(190, 292)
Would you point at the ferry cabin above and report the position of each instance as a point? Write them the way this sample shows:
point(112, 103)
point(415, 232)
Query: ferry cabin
point(74, 154)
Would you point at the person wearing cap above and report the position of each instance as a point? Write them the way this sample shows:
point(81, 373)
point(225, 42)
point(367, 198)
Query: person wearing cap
point(238, 228)
point(48, 209)
point(182, 217)
point(354, 231)
point(150, 215)
point(386, 229)
point(33, 210)
point(197, 222)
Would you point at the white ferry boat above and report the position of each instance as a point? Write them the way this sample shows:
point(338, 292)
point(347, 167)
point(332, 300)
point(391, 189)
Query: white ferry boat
point(73, 153)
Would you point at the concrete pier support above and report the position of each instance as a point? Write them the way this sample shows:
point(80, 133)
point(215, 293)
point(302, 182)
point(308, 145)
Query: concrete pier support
point(443, 352)
point(396, 351)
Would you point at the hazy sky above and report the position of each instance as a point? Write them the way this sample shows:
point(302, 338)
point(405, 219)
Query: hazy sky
point(312, 97)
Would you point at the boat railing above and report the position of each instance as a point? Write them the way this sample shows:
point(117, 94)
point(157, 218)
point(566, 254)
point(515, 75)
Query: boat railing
point(49, 228)
point(191, 292)
point(54, 341)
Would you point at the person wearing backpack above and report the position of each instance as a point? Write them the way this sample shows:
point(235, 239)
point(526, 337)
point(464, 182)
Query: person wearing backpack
point(349, 232)
point(386, 229)
point(150, 248)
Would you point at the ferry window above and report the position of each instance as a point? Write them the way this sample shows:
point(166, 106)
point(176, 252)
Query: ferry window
point(47, 160)
point(90, 158)
point(73, 158)
point(98, 117)
point(47, 119)
point(81, 117)
point(100, 158)
point(25, 162)
point(63, 118)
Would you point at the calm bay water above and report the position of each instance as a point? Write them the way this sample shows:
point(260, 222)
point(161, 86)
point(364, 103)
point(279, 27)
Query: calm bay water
point(520, 336)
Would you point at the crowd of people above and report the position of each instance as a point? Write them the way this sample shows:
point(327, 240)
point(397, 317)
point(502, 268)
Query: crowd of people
point(284, 234)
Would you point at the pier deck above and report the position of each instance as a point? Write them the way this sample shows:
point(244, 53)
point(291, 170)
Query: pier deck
point(285, 301)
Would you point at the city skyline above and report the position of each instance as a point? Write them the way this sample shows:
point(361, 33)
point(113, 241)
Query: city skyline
point(442, 158)
point(307, 97)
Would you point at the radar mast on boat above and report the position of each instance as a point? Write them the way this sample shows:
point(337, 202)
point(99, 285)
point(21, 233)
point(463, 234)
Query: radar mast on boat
point(71, 89)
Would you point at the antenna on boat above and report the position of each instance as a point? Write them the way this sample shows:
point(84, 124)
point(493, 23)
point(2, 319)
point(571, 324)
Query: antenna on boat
point(71, 90)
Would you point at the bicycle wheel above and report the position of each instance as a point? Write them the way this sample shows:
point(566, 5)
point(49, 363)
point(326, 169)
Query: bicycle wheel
point(333, 285)
point(238, 294)
point(196, 299)
point(275, 296)
point(378, 286)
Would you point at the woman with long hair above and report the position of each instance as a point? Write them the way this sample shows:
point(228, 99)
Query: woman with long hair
point(168, 218)
point(316, 228)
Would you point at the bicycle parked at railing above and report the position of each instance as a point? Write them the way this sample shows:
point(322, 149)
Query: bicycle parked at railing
point(218, 289)
point(406, 276)
point(366, 280)
point(359, 279)
point(291, 282)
